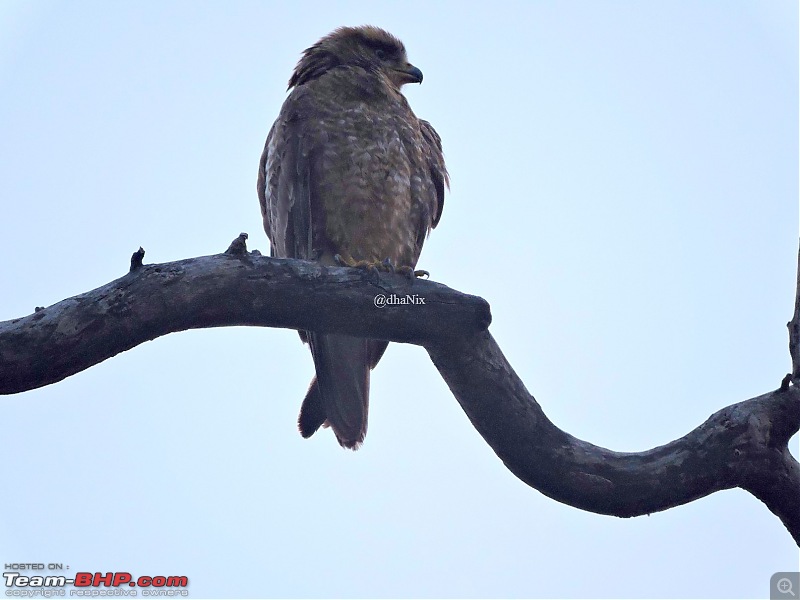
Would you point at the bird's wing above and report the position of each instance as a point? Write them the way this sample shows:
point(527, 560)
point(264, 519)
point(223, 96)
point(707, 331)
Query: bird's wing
point(294, 221)
point(283, 185)
point(431, 172)
point(432, 148)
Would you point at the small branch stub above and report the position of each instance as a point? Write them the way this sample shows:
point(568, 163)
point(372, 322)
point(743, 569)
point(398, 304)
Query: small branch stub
point(785, 382)
point(136, 259)
point(794, 330)
point(238, 246)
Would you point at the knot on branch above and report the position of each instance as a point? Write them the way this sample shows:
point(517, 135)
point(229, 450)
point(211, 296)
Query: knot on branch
point(759, 431)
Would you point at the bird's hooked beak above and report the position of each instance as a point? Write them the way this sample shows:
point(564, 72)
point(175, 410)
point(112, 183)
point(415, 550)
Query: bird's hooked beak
point(409, 74)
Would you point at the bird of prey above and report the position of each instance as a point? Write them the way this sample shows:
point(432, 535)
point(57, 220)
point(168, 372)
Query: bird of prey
point(349, 176)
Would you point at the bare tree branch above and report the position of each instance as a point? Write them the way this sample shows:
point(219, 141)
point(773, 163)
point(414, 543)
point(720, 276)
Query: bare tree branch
point(743, 445)
point(235, 288)
point(794, 330)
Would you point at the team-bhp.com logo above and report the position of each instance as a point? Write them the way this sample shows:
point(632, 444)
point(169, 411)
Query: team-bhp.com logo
point(94, 580)
point(382, 300)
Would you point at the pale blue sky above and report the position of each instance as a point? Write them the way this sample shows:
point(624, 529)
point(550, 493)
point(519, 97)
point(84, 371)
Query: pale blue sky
point(624, 194)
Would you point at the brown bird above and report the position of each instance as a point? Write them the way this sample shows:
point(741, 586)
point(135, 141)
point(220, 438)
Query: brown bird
point(349, 175)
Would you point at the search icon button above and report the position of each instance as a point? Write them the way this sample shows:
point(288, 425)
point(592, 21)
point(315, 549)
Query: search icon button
point(784, 585)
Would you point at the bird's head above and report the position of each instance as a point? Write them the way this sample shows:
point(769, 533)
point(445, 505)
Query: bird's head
point(368, 47)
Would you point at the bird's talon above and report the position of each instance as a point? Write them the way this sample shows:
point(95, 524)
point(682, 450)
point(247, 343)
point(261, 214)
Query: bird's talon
point(406, 271)
point(422, 273)
point(387, 265)
point(349, 261)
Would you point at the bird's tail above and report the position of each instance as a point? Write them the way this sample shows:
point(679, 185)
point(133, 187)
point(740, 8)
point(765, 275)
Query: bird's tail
point(339, 394)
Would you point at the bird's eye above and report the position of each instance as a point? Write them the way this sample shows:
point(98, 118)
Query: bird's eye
point(381, 54)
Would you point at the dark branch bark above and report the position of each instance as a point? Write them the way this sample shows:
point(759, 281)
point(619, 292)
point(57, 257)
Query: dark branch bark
point(744, 445)
point(235, 288)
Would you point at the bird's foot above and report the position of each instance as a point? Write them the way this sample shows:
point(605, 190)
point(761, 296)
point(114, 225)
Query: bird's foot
point(384, 266)
point(410, 273)
point(371, 268)
point(345, 260)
